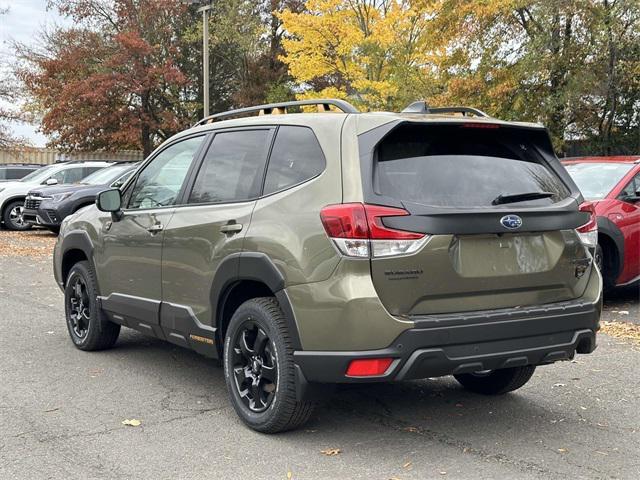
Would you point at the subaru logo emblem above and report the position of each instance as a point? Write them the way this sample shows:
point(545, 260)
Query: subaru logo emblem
point(512, 222)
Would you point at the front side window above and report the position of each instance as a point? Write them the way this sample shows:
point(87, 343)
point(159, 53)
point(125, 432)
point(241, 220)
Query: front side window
point(296, 157)
point(159, 184)
point(233, 167)
point(632, 188)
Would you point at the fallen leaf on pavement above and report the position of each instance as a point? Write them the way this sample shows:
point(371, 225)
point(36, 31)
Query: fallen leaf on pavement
point(330, 452)
point(410, 429)
point(562, 450)
point(407, 465)
point(132, 423)
point(624, 330)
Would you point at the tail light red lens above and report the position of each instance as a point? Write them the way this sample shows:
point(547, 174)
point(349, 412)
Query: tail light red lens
point(348, 220)
point(592, 224)
point(368, 367)
point(588, 232)
point(357, 230)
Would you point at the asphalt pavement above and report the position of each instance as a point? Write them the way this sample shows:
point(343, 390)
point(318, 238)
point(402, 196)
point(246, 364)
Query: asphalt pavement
point(61, 412)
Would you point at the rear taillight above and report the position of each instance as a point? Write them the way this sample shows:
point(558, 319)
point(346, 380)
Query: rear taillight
point(357, 231)
point(588, 232)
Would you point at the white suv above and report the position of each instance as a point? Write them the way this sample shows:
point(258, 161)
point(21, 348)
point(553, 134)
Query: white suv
point(12, 194)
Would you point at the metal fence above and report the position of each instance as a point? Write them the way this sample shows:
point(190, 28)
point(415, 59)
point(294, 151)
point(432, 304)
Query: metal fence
point(46, 156)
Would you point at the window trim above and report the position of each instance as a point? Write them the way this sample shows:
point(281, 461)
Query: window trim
point(125, 189)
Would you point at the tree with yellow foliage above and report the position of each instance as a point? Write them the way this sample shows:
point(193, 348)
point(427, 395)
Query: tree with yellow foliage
point(369, 51)
point(571, 65)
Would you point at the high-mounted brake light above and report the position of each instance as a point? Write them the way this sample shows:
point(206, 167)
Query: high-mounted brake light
point(480, 125)
point(368, 367)
point(357, 230)
point(588, 232)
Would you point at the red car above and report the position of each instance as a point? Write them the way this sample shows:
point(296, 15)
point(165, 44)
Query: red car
point(612, 184)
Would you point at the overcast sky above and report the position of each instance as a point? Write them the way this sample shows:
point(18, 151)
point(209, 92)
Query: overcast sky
point(22, 23)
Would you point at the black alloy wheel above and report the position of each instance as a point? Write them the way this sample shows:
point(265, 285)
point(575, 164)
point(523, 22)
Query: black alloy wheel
point(79, 307)
point(89, 327)
point(259, 369)
point(254, 366)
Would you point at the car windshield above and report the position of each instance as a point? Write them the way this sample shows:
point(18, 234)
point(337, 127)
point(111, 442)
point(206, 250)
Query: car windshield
point(596, 180)
point(41, 174)
point(106, 175)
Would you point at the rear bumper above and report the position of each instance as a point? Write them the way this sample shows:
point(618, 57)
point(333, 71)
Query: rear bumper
point(451, 344)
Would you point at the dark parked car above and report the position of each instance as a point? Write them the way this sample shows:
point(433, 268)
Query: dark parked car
point(16, 171)
point(12, 194)
point(49, 205)
point(612, 184)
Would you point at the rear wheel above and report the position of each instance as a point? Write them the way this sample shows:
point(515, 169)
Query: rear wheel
point(259, 369)
point(604, 257)
point(13, 218)
point(496, 382)
point(88, 327)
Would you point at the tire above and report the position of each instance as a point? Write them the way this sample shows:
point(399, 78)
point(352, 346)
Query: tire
point(88, 327)
point(12, 216)
point(259, 369)
point(496, 382)
point(603, 258)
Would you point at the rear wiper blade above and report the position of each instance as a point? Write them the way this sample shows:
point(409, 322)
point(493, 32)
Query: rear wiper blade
point(520, 197)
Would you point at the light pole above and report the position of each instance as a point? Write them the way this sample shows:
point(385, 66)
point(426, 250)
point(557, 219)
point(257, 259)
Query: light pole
point(206, 6)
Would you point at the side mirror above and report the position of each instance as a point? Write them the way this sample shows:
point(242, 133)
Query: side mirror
point(52, 181)
point(110, 201)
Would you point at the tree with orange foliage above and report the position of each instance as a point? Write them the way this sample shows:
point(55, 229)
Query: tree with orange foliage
point(118, 79)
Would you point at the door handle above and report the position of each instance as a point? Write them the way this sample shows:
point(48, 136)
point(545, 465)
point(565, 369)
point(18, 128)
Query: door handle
point(231, 228)
point(155, 228)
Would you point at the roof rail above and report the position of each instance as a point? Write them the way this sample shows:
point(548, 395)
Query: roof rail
point(422, 107)
point(281, 108)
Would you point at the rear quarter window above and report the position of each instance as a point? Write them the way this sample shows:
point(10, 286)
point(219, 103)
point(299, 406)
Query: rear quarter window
point(296, 157)
point(455, 166)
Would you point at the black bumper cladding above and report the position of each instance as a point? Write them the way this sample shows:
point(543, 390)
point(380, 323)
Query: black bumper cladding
point(451, 344)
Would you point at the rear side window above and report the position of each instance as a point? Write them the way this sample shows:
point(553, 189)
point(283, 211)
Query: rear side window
point(456, 166)
point(233, 167)
point(296, 157)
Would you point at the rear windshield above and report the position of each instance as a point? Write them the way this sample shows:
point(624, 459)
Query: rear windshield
point(457, 166)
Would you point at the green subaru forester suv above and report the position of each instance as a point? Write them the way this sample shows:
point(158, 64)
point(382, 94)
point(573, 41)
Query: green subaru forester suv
point(314, 248)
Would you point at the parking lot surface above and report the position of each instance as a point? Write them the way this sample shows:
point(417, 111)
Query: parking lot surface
point(61, 410)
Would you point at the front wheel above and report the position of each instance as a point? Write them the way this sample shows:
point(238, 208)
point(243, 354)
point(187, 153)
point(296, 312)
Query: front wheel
point(496, 382)
point(259, 369)
point(13, 216)
point(88, 327)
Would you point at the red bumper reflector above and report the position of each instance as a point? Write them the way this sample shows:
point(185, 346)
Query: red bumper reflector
point(368, 367)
